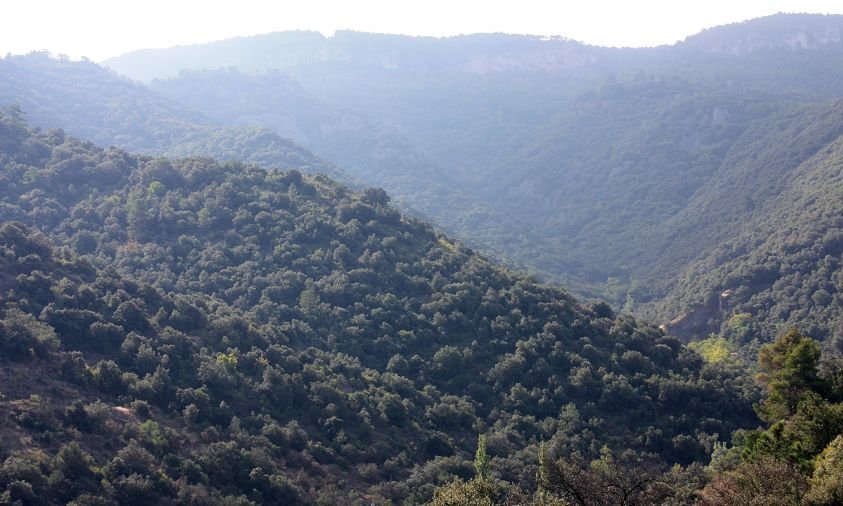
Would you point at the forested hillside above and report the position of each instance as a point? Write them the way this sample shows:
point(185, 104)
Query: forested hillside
point(378, 152)
point(207, 332)
point(783, 267)
point(625, 174)
point(598, 167)
point(795, 459)
point(94, 103)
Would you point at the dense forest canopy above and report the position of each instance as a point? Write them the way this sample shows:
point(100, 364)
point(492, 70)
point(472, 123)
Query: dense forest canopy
point(186, 311)
point(783, 267)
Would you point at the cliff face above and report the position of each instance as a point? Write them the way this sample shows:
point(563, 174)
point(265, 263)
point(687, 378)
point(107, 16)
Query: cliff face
point(783, 31)
point(479, 53)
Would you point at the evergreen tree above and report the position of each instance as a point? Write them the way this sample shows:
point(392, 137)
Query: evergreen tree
point(790, 369)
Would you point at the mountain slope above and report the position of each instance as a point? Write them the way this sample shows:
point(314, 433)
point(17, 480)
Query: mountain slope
point(480, 53)
point(793, 32)
point(136, 118)
point(299, 333)
point(587, 165)
point(372, 150)
point(581, 195)
point(784, 265)
point(615, 171)
point(94, 103)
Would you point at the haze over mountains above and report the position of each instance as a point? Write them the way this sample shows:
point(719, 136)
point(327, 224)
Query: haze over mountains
point(106, 108)
point(612, 170)
point(245, 300)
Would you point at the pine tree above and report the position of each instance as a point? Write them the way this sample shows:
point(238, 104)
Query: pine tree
point(481, 460)
point(790, 370)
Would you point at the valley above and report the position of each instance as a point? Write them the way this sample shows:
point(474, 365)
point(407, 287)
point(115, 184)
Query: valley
point(382, 269)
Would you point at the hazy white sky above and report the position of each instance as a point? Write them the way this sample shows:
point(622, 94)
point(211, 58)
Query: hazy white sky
point(100, 29)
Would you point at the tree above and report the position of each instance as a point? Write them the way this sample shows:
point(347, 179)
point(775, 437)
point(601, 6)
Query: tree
point(627, 480)
point(22, 336)
point(73, 473)
point(479, 491)
point(481, 460)
point(22, 478)
point(801, 437)
point(789, 368)
point(463, 493)
point(765, 481)
point(827, 480)
point(134, 476)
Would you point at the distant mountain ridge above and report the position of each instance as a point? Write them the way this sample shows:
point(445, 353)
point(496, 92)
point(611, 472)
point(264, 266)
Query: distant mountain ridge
point(782, 31)
point(615, 178)
point(93, 102)
point(478, 53)
point(637, 163)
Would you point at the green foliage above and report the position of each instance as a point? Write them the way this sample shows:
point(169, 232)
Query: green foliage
point(72, 473)
point(323, 332)
point(475, 492)
point(714, 349)
point(827, 480)
point(480, 490)
point(802, 436)
point(290, 323)
point(766, 481)
point(23, 337)
point(802, 442)
point(23, 479)
point(640, 168)
point(790, 369)
point(481, 460)
point(633, 165)
point(739, 328)
point(151, 435)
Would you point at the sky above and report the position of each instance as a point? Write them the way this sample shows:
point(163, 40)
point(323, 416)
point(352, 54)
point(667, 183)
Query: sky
point(100, 29)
